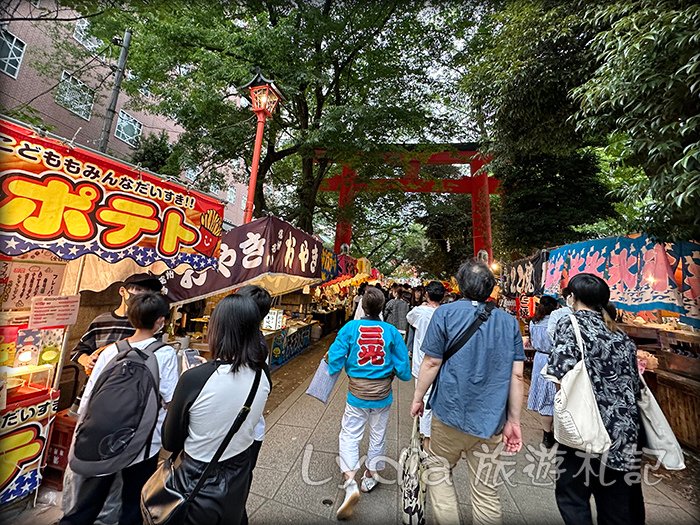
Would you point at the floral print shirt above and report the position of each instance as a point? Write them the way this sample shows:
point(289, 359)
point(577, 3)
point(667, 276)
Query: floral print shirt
point(611, 361)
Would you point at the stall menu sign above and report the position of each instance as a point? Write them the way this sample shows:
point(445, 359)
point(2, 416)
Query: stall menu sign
point(22, 280)
point(72, 201)
point(61, 310)
point(268, 245)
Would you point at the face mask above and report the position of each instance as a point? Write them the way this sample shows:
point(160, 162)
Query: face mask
point(570, 301)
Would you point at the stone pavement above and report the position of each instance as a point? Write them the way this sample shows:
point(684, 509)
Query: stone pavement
point(297, 479)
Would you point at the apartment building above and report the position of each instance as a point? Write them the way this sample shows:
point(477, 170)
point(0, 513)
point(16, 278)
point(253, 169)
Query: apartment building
point(71, 100)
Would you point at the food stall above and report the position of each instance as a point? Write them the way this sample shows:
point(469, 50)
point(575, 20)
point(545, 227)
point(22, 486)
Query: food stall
point(70, 217)
point(656, 286)
point(267, 252)
point(328, 308)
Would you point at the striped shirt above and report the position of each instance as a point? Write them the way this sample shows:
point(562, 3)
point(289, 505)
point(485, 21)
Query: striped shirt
point(105, 329)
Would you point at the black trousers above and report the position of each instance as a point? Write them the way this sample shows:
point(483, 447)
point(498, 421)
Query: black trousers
point(94, 491)
point(254, 451)
point(618, 495)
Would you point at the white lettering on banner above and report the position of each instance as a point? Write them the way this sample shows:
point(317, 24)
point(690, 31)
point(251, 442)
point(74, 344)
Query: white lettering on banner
point(304, 255)
point(191, 278)
point(314, 259)
point(275, 248)
point(291, 243)
point(253, 250)
point(227, 259)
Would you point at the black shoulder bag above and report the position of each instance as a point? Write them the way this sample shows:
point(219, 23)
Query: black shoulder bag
point(459, 343)
point(161, 504)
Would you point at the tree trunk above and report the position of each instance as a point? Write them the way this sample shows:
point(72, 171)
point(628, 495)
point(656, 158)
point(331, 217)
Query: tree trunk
point(308, 191)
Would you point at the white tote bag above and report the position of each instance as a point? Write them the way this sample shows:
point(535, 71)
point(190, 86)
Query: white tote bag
point(577, 421)
point(661, 441)
point(413, 487)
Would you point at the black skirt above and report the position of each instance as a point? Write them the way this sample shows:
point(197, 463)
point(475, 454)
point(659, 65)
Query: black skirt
point(222, 498)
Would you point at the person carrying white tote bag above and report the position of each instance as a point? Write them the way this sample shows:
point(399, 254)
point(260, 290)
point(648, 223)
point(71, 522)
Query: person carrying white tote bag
point(577, 421)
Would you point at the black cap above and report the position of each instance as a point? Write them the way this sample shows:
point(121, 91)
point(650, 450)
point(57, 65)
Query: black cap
point(144, 280)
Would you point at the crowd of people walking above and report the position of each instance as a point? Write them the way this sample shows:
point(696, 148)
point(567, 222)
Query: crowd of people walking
point(465, 356)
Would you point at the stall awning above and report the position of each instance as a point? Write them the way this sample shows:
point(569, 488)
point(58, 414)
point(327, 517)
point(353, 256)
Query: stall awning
point(268, 251)
point(642, 274)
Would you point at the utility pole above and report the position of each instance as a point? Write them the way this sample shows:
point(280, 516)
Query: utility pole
point(112, 108)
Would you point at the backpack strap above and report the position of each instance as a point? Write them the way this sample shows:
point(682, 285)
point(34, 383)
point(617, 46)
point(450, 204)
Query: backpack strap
point(123, 348)
point(155, 346)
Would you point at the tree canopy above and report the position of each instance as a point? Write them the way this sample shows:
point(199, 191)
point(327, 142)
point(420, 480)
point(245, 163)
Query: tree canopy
point(354, 74)
point(590, 109)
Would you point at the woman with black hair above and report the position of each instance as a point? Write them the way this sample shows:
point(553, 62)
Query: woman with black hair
point(207, 400)
point(541, 396)
point(612, 478)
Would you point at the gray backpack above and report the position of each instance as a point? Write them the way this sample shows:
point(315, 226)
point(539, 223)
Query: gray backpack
point(121, 415)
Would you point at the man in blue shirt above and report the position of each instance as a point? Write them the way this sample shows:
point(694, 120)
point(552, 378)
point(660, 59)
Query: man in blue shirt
point(479, 397)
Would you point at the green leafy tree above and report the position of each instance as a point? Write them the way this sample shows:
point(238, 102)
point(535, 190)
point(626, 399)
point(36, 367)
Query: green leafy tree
point(644, 98)
point(544, 198)
point(355, 74)
point(154, 152)
point(522, 64)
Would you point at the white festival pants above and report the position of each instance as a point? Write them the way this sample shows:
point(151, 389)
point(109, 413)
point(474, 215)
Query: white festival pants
point(353, 429)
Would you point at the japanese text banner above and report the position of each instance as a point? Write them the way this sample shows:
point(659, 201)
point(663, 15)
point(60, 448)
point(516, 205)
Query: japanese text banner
point(263, 246)
point(73, 201)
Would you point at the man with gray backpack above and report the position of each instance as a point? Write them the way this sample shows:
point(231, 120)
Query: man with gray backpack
point(121, 415)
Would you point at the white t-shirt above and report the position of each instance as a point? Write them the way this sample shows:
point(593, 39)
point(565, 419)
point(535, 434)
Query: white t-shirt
point(167, 370)
point(205, 429)
point(419, 318)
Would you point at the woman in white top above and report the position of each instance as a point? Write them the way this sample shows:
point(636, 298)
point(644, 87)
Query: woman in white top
point(206, 401)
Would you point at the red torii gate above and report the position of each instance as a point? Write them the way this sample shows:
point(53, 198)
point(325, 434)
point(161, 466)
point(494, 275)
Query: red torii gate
point(479, 185)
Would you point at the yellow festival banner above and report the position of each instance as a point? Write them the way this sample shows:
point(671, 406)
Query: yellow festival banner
point(73, 201)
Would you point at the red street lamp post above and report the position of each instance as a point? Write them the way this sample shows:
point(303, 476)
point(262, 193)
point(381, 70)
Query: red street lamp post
point(264, 97)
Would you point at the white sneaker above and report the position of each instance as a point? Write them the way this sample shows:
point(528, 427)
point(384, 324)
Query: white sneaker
point(368, 483)
point(352, 496)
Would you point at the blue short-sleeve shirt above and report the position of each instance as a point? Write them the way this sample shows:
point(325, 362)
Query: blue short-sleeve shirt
point(474, 383)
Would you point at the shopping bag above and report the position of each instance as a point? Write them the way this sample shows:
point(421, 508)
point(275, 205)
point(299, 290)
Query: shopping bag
point(577, 421)
point(413, 487)
point(661, 441)
point(322, 383)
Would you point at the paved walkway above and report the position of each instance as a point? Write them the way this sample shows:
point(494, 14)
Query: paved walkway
point(297, 479)
point(301, 446)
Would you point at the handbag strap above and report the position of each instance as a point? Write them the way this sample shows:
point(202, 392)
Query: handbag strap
point(481, 317)
point(577, 333)
point(237, 423)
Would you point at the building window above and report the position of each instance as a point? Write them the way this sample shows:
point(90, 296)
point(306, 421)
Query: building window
point(231, 195)
point(190, 174)
point(82, 34)
point(11, 53)
point(128, 129)
point(75, 96)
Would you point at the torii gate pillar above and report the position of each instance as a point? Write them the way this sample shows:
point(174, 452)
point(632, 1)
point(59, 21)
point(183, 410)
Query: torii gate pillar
point(346, 196)
point(481, 211)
